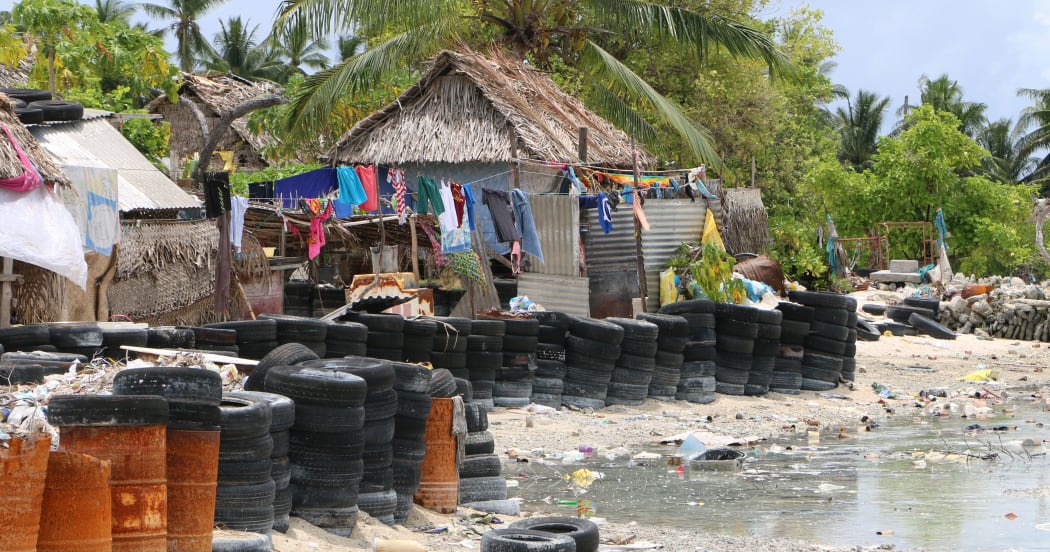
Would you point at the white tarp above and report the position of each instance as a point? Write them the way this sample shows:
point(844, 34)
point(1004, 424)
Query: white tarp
point(36, 228)
point(93, 202)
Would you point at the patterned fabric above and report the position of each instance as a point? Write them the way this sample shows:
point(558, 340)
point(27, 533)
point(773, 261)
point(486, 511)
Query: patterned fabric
point(396, 178)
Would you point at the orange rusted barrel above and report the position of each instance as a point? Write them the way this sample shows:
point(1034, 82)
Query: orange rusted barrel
point(439, 484)
point(193, 469)
point(138, 487)
point(76, 515)
point(23, 465)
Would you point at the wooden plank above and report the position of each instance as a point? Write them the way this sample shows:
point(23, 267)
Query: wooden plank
point(6, 294)
point(218, 359)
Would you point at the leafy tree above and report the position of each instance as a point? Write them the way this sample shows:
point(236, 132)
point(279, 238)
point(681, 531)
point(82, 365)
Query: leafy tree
point(858, 128)
point(150, 138)
point(183, 17)
point(1007, 162)
point(562, 30)
point(237, 51)
point(51, 22)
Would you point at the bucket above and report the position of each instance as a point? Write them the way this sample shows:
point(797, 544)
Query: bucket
point(76, 515)
point(23, 466)
point(138, 484)
point(193, 467)
point(439, 484)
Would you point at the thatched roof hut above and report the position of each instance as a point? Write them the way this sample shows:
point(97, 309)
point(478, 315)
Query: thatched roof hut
point(10, 164)
point(746, 229)
point(213, 96)
point(17, 75)
point(468, 108)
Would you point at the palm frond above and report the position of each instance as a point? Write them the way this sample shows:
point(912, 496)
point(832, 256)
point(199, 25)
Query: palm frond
point(617, 75)
point(324, 16)
point(308, 108)
point(703, 33)
point(157, 11)
point(620, 113)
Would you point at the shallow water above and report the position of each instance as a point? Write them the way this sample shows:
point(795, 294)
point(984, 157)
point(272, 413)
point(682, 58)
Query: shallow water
point(837, 491)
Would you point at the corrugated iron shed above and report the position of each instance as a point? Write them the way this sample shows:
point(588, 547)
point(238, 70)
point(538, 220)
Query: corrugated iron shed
point(94, 142)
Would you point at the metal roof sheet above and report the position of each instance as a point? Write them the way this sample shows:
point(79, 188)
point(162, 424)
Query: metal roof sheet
point(93, 142)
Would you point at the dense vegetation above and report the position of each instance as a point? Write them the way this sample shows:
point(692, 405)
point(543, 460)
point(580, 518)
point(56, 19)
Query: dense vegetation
point(696, 80)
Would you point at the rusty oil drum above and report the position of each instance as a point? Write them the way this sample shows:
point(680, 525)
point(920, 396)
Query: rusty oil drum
point(76, 514)
point(23, 466)
point(439, 484)
point(138, 488)
point(193, 469)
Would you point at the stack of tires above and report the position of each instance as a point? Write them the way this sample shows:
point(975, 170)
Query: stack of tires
point(346, 339)
point(325, 298)
point(325, 443)
point(244, 499)
point(916, 315)
point(787, 366)
point(451, 337)
point(288, 354)
point(634, 369)
point(513, 387)
point(220, 341)
point(767, 345)
point(168, 337)
point(282, 417)
point(17, 367)
point(377, 496)
point(699, 318)
point(591, 351)
point(31, 337)
point(829, 335)
point(480, 470)
point(115, 337)
point(695, 381)
point(484, 358)
point(297, 301)
point(77, 339)
point(550, 530)
point(255, 338)
point(386, 337)
point(549, 379)
point(310, 332)
point(736, 327)
point(419, 339)
point(412, 383)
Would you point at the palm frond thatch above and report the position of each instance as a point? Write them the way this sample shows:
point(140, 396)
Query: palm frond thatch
point(10, 164)
point(747, 231)
point(468, 107)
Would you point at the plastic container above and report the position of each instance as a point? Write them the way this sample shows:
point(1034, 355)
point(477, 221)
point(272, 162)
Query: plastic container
point(76, 513)
point(439, 484)
point(139, 486)
point(23, 466)
point(193, 469)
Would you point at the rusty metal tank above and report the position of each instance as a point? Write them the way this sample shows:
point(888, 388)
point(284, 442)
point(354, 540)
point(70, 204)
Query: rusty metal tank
point(76, 514)
point(23, 466)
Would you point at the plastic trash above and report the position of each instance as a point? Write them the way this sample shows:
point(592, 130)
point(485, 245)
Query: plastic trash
point(883, 391)
point(508, 507)
point(587, 450)
point(691, 447)
point(986, 374)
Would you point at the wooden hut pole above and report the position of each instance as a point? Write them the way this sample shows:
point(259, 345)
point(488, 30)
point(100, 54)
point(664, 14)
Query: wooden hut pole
point(415, 248)
point(514, 165)
point(582, 145)
point(8, 277)
point(643, 290)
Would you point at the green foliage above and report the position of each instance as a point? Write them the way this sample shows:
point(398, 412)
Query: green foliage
point(795, 248)
point(707, 272)
point(149, 138)
point(239, 180)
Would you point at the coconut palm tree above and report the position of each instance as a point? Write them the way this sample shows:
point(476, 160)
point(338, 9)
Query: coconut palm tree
point(858, 128)
point(945, 94)
point(237, 51)
point(297, 46)
point(349, 46)
point(541, 31)
point(1008, 162)
point(1037, 141)
point(114, 11)
point(183, 17)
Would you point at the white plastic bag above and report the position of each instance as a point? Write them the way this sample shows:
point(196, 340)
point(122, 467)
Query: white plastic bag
point(35, 227)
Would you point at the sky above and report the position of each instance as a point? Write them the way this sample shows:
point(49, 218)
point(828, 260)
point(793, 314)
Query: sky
point(990, 48)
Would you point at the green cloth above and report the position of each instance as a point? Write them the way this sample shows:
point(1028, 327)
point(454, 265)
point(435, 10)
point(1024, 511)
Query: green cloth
point(428, 194)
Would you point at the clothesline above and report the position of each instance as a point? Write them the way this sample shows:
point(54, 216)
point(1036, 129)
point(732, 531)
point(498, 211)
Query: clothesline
point(603, 169)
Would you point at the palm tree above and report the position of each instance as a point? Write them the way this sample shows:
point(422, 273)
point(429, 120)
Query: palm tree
point(349, 46)
point(1008, 162)
point(114, 11)
point(537, 30)
point(945, 94)
point(183, 16)
point(296, 45)
point(1036, 142)
point(237, 51)
point(858, 128)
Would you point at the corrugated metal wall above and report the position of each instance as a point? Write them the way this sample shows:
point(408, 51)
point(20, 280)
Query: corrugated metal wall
point(558, 223)
point(556, 293)
point(672, 222)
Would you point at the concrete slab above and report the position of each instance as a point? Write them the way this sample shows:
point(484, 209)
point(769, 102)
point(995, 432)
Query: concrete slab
point(904, 265)
point(890, 276)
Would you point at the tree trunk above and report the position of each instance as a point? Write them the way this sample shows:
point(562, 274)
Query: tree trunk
point(51, 73)
point(1039, 212)
point(222, 124)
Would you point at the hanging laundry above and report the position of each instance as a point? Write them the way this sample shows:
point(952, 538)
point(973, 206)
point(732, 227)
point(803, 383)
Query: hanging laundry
point(468, 196)
point(367, 174)
point(710, 234)
point(351, 192)
point(316, 183)
point(396, 178)
point(239, 207)
point(458, 200)
point(317, 239)
point(530, 238)
point(600, 202)
point(427, 196)
point(498, 202)
point(448, 215)
point(515, 257)
point(30, 179)
point(435, 244)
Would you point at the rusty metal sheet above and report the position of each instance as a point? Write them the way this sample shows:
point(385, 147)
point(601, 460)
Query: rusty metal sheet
point(611, 293)
point(672, 223)
point(557, 293)
point(558, 224)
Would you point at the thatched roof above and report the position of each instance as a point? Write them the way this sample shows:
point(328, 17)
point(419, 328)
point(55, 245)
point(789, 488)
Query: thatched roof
point(18, 75)
point(468, 107)
point(10, 165)
point(221, 94)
